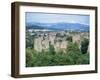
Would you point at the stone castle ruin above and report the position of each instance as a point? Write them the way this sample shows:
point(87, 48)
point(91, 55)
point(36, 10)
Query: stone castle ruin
point(59, 39)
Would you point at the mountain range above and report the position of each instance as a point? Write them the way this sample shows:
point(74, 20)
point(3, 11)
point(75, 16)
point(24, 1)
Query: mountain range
point(58, 26)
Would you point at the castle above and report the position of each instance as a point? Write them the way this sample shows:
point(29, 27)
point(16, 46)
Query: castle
point(59, 39)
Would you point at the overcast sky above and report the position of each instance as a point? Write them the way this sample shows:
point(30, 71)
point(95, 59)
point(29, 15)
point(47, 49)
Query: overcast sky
point(55, 18)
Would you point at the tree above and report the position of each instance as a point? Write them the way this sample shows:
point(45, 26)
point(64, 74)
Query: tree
point(84, 45)
point(69, 38)
point(29, 57)
point(51, 48)
point(29, 40)
point(58, 35)
point(73, 54)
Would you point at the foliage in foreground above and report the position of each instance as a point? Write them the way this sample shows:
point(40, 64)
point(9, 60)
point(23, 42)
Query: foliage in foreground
point(72, 56)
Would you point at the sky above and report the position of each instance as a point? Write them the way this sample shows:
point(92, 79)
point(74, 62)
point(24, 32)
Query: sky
point(34, 17)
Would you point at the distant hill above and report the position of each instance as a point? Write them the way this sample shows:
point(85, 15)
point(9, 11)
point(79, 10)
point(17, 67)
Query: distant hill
point(58, 26)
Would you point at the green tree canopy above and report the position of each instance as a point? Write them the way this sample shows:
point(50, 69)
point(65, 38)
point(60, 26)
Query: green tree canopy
point(84, 45)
